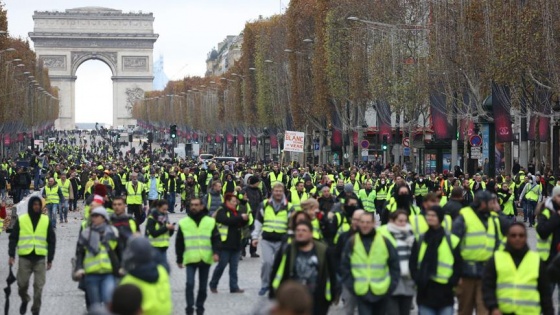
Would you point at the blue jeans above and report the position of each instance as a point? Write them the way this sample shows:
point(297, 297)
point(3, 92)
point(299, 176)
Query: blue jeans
point(203, 271)
point(424, 310)
point(171, 201)
point(99, 288)
point(63, 211)
point(3, 194)
point(53, 209)
point(531, 205)
point(231, 257)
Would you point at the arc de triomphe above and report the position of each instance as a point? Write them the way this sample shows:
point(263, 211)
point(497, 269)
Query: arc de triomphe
point(124, 41)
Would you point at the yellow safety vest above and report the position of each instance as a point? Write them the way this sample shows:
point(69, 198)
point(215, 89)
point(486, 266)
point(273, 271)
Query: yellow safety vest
point(156, 297)
point(478, 243)
point(52, 194)
point(532, 194)
point(317, 234)
point(343, 226)
point(370, 271)
point(160, 241)
point(100, 263)
point(516, 287)
point(445, 257)
point(420, 226)
point(29, 239)
point(65, 188)
point(368, 200)
point(543, 245)
point(134, 197)
point(198, 240)
point(274, 179)
point(275, 222)
point(296, 200)
point(382, 193)
point(420, 190)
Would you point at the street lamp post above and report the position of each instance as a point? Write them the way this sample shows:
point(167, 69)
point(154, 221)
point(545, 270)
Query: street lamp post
point(488, 107)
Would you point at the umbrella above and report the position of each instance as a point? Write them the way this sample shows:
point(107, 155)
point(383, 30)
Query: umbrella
point(8, 290)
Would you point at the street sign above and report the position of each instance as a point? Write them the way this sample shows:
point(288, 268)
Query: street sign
point(475, 141)
point(476, 152)
point(406, 151)
point(406, 142)
point(364, 144)
point(316, 146)
point(365, 153)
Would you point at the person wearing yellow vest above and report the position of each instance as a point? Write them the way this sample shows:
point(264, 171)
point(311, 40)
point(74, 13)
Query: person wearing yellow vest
point(382, 193)
point(196, 248)
point(135, 198)
point(159, 230)
point(297, 195)
point(318, 220)
point(435, 266)
point(96, 258)
point(123, 222)
point(480, 231)
point(308, 262)
point(34, 241)
point(54, 197)
point(68, 194)
point(214, 198)
point(516, 280)
point(401, 200)
point(506, 200)
point(340, 218)
point(230, 222)
point(531, 194)
point(370, 267)
point(420, 189)
point(142, 270)
point(272, 220)
point(399, 232)
point(548, 229)
point(367, 196)
point(347, 294)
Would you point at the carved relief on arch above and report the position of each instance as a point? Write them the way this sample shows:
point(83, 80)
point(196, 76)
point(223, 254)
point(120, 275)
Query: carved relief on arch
point(78, 57)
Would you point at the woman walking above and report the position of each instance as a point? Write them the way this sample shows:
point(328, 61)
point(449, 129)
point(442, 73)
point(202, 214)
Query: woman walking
point(399, 232)
point(435, 266)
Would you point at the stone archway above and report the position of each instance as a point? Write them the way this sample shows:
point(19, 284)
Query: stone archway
point(123, 41)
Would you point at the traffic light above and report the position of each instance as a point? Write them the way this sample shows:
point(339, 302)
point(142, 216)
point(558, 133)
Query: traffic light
point(150, 137)
point(384, 144)
point(173, 131)
point(130, 138)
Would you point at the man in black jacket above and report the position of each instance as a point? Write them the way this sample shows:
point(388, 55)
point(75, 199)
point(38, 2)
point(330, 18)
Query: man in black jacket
point(310, 263)
point(455, 203)
point(230, 222)
point(32, 262)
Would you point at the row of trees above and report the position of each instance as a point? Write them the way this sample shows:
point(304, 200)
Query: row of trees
point(327, 62)
point(27, 99)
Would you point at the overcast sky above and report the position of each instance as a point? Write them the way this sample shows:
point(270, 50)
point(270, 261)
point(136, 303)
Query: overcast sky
point(187, 29)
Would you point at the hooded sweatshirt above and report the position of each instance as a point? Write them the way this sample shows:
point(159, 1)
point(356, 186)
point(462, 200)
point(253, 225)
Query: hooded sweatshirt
point(51, 237)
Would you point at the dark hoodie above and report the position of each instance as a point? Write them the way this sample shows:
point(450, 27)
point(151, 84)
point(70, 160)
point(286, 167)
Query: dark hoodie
point(51, 237)
point(147, 272)
point(180, 241)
